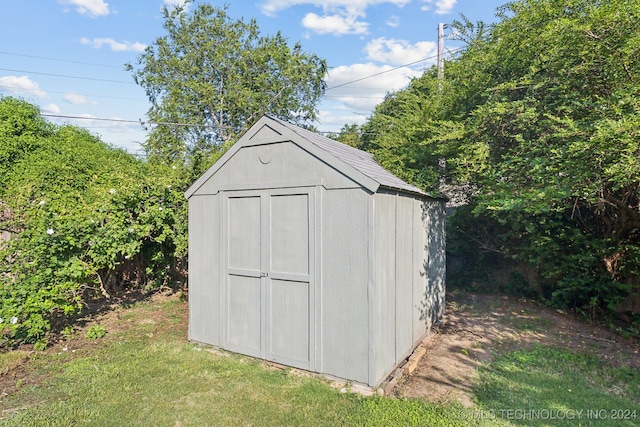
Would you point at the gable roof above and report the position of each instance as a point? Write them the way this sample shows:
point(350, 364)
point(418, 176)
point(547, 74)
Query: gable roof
point(358, 159)
point(334, 152)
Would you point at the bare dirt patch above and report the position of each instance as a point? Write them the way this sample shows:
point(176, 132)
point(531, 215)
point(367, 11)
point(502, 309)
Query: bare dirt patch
point(476, 326)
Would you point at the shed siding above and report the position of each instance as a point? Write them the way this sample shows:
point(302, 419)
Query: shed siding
point(383, 300)
point(204, 269)
point(404, 275)
point(275, 165)
point(420, 264)
point(436, 268)
point(345, 267)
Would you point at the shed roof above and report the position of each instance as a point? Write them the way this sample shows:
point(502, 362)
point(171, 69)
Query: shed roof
point(339, 153)
point(358, 159)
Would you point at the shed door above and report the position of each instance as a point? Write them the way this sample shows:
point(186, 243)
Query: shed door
point(268, 296)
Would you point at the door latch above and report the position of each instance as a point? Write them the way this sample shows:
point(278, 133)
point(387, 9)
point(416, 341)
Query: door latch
point(264, 274)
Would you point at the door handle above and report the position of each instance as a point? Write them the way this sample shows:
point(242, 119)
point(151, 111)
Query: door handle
point(264, 274)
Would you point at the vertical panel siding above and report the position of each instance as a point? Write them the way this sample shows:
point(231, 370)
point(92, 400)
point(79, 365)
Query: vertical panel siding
point(204, 269)
point(421, 230)
point(437, 261)
point(383, 299)
point(404, 276)
point(344, 284)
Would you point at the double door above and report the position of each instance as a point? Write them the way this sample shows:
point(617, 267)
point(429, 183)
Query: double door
point(268, 265)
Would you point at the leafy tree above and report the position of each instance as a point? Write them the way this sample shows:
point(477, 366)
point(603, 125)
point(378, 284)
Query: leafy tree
point(348, 135)
point(211, 76)
point(539, 118)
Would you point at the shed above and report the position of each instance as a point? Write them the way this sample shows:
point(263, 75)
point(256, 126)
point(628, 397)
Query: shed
point(306, 252)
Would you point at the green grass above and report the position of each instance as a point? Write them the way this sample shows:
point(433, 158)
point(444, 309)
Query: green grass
point(144, 373)
point(148, 375)
point(562, 382)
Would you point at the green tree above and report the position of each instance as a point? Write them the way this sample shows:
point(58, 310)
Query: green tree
point(539, 116)
point(348, 135)
point(211, 76)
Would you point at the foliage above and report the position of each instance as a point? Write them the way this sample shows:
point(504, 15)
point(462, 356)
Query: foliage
point(539, 123)
point(220, 75)
point(95, 332)
point(84, 218)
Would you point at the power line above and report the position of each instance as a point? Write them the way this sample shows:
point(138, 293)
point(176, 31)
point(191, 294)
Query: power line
point(67, 76)
point(389, 70)
point(62, 116)
point(141, 122)
point(66, 92)
point(60, 60)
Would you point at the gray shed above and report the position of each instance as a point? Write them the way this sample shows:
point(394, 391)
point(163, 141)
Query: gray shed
point(306, 252)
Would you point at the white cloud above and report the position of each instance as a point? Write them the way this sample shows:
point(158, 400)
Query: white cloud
point(92, 8)
point(174, 3)
point(272, 7)
point(399, 52)
point(393, 21)
point(76, 99)
point(339, 16)
point(333, 120)
point(442, 6)
point(363, 95)
point(21, 85)
point(116, 46)
point(51, 108)
point(334, 24)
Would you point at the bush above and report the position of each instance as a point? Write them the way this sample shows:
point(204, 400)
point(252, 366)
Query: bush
point(86, 219)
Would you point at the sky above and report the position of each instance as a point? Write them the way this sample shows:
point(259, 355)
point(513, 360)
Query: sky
point(68, 56)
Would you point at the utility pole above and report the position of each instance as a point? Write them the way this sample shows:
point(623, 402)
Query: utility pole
point(440, 54)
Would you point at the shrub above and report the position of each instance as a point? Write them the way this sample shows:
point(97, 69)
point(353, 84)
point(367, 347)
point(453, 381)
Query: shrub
point(86, 219)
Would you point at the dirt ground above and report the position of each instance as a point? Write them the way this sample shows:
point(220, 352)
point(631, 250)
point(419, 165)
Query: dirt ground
point(475, 326)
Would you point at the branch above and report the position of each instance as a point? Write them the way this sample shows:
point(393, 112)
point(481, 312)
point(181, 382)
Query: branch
point(483, 245)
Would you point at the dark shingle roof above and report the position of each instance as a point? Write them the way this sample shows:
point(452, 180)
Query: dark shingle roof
point(358, 159)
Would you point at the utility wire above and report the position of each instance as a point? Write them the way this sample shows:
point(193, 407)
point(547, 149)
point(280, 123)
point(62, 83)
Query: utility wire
point(389, 70)
point(66, 76)
point(67, 92)
point(61, 60)
point(141, 122)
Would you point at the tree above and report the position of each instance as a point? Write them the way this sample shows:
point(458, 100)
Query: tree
point(540, 114)
point(348, 135)
point(211, 76)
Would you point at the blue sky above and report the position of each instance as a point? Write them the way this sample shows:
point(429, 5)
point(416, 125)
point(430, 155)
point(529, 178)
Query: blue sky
point(68, 56)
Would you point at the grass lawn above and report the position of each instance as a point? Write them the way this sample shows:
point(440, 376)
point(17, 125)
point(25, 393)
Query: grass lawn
point(147, 375)
point(556, 387)
point(144, 373)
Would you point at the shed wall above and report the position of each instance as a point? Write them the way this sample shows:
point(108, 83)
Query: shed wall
point(344, 284)
point(204, 269)
point(408, 290)
point(421, 231)
point(405, 266)
point(434, 295)
point(383, 296)
point(274, 165)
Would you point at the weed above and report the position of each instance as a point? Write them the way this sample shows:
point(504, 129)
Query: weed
point(68, 332)
point(95, 332)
